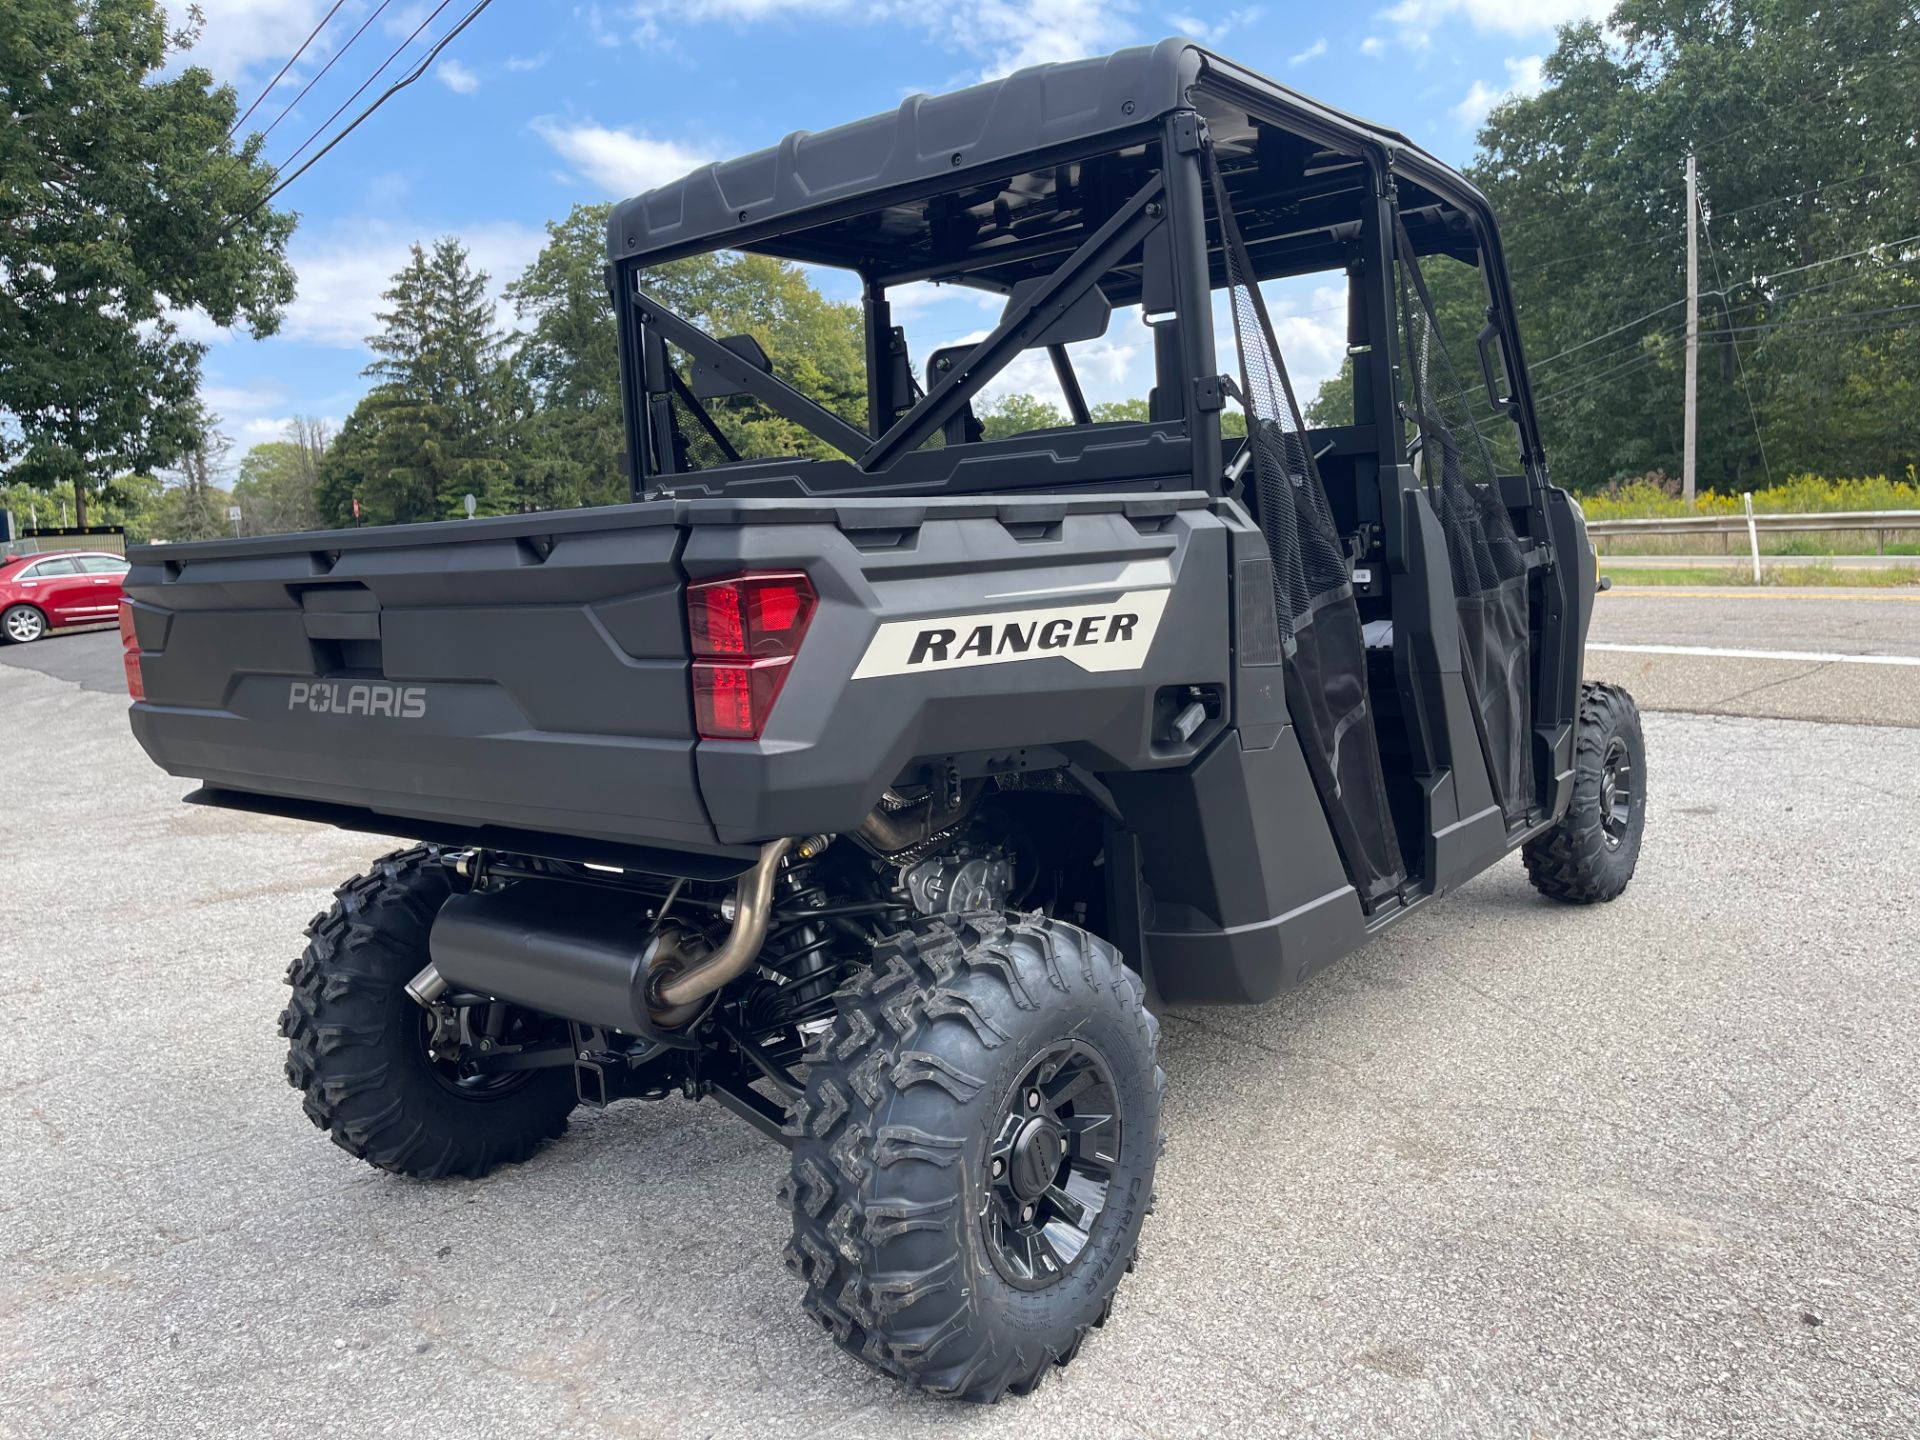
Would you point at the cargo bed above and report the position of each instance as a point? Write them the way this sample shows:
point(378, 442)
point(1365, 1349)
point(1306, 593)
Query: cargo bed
point(504, 679)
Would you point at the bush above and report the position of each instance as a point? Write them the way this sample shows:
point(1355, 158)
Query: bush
point(1657, 496)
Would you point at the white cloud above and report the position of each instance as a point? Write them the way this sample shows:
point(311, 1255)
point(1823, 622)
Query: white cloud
point(235, 402)
point(918, 298)
point(1212, 32)
point(1012, 36)
point(456, 77)
point(342, 277)
point(1005, 35)
point(619, 161)
point(1373, 46)
point(240, 34)
point(1417, 19)
point(1312, 52)
point(1526, 75)
point(260, 429)
point(528, 62)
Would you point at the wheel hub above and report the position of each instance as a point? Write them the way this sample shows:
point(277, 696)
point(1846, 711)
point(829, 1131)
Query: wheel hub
point(1037, 1154)
point(1049, 1165)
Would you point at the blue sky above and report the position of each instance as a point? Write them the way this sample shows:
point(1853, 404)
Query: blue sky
point(539, 106)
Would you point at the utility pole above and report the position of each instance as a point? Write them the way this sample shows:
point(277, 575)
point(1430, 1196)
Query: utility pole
point(1691, 443)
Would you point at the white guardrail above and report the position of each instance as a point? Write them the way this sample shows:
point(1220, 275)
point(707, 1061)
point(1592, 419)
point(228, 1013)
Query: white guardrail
point(1878, 523)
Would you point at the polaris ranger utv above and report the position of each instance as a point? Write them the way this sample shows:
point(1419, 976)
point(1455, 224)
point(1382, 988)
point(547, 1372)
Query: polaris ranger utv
point(882, 796)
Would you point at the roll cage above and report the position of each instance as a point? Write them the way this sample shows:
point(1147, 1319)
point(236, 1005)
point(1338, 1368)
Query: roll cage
point(1072, 181)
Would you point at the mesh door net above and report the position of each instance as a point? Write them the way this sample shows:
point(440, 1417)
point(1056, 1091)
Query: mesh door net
point(1326, 658)
point(1483, 549)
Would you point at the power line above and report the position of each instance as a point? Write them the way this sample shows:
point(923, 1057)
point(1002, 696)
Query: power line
point(1721, 294)
point(1835, 260)
point(378, 70)
point(384, 96)
point(291, 60)
point(1823, 186)
point(1605, 334)
point(1795, 321)
point(1568, 259)
point(1640, 359)
point(1671, 229)
point(321, 74)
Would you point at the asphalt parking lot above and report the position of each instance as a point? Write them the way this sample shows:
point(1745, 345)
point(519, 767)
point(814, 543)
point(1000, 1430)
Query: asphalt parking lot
point(1651, 1169)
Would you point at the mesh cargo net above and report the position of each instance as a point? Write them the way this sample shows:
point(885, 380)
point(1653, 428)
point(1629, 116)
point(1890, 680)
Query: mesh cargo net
point(1483, 550)
point(1326, 657)
point(702, 443)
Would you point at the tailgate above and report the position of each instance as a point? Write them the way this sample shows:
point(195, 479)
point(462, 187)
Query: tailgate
point(528, 672)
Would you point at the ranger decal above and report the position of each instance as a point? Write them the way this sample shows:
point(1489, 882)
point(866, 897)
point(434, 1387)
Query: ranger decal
point(1103, 636)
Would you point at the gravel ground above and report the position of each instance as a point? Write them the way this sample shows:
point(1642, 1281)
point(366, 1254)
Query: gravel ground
point(1514, 1170)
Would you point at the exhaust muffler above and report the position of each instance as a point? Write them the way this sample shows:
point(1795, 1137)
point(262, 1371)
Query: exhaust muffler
point(585, 954)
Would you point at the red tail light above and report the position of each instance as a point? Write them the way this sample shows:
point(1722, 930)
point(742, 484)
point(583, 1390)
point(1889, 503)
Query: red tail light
point(745, 630)
point(130, 651)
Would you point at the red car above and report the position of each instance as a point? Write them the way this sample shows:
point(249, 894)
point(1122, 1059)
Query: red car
point(39, 593)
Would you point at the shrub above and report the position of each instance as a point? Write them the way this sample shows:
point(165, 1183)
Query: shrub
point(1656, 496)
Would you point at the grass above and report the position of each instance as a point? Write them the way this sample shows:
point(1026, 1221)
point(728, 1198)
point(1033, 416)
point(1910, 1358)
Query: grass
point(1813, 543)
point(1769, 575)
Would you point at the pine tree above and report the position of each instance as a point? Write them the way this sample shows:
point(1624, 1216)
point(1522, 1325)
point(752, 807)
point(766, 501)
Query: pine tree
point(434, 429)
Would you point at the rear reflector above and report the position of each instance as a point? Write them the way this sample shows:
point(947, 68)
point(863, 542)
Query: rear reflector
point(130, 651)
point(745, 631)
point(731, 701)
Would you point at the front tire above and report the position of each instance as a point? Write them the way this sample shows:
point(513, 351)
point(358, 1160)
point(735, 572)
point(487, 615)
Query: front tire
point(1589, 856)
point(974, 1152)
point(359, 1047)
point(23, 624)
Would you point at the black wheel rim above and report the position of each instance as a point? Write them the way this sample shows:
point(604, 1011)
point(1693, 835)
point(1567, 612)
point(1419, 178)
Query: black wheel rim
point(1050, 1163)
point(448, 1044)
point(1616, 792)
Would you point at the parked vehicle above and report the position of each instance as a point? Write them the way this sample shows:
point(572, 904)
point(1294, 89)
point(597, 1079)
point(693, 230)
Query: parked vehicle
point(883, 799)
point(39, 593)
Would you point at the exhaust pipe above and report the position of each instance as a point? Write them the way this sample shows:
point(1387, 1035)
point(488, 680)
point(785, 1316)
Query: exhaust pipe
point(684, 980)
point(583, 954)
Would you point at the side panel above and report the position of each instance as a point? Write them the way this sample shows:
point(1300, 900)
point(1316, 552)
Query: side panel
point(1249, 895)
point(1566, 608)
point(857, 710)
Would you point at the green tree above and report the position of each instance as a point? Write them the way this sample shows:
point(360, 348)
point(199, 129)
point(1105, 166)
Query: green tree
point(122, 202)
point(277, 488)
point(569, 443)
point(1803, 118)
point(434, 428)
point(814, 344)
point(1013, 414)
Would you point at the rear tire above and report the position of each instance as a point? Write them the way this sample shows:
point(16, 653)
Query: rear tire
point(974, 1042)
point(1589, 856)
point(358, 1043)
point(23, 624)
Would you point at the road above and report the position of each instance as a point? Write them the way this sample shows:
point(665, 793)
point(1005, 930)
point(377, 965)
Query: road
point(1767, 651)
point(1730, 562)
point(1651, 1169)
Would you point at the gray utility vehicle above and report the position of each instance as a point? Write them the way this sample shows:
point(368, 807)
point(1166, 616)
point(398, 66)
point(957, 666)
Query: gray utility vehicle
point(883, 798)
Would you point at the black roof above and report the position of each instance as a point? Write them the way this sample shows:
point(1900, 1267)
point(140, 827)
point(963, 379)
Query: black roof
point(941, 140)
